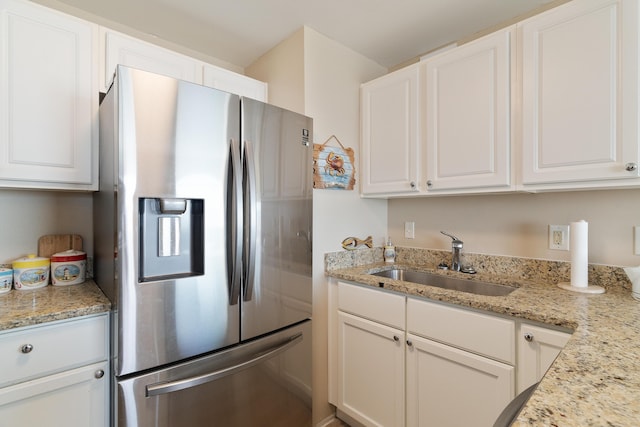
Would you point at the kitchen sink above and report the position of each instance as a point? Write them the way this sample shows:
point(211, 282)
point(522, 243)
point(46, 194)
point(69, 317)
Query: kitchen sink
point(447, 282)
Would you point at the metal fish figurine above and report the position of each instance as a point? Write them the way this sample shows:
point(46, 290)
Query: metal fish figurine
point(351, 243)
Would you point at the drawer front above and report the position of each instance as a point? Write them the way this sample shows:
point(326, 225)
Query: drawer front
point(373, 304)
point(54, 347)
point(480, 333)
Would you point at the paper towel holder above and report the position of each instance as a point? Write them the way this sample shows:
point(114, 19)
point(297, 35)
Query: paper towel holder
point(578, 242)
point(589, 289)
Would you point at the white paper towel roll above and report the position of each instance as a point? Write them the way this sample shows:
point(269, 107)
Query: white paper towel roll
point(579, 245)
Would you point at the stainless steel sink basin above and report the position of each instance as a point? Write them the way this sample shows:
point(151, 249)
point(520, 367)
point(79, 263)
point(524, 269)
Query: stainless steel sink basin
point(447, 282)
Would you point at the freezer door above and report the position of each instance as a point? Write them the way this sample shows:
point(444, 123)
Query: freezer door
point(263, 383)
point(278, 159)
point(166, 200)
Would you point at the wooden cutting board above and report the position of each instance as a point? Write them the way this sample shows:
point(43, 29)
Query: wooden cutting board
point(54, 243)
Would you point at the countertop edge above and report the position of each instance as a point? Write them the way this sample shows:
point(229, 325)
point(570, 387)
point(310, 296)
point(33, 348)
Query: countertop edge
point(33, 307)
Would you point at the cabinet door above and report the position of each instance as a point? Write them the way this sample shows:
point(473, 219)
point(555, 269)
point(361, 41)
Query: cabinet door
point(468, 115)
point(124, 50)
point(537, 349)
point(48, 99)
point(226, 80)
point(370, 371)
point(451, 387)
point(580, 93)
point(390, 154)
point(76, 398)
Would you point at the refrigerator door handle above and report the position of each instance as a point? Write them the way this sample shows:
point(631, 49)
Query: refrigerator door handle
point(235, 226)
point(251, 206)
point(172, 386)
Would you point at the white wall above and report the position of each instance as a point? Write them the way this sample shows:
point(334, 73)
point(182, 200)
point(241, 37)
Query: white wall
point(517, 224)
point(28, 215)
point(332, 75)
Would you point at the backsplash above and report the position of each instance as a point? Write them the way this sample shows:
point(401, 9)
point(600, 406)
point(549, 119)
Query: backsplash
point(541, 271)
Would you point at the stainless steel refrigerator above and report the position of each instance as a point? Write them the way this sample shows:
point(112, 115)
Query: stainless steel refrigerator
point(202, 229)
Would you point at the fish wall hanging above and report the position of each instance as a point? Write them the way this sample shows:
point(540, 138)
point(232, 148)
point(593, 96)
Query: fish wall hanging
point(333, 167)
point(352, 243)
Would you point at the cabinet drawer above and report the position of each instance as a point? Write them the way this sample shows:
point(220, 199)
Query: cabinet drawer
point(373, 304)
point(480, 333)
point(55, 347)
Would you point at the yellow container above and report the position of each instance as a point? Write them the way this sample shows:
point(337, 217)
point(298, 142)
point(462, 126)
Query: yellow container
point(31, 272)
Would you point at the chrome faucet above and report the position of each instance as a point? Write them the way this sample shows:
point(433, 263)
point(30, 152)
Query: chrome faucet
point(456, 248)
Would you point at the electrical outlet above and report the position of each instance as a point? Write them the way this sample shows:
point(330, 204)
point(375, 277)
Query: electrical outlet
point(409, 230)
point(636, 240)
point(559, 237)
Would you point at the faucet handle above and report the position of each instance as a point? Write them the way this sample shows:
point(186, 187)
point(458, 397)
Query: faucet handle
point(454, 239)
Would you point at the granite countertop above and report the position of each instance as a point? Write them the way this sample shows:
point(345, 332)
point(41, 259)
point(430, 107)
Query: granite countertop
point(595, 381)
point(32, 307)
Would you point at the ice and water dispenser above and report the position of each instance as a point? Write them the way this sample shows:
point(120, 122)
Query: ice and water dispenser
point(171, 238)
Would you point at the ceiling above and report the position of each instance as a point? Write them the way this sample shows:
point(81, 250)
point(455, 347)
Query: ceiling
point(388, 32)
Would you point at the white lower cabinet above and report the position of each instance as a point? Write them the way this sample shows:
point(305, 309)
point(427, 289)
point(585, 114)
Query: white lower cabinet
point(76, 398)
point(371, 371)
point(459, 365)
point(447, 386)
point(56, 374)
point(538, 347)
point(404, 361)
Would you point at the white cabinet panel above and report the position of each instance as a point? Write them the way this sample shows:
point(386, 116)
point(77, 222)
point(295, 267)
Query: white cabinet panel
point(75, 398)
point(121, 49)
point(450, 387)
point(53, 348)
point(468, 115)
point(48, 99)
point(580, 92)
point(390, 133)
point(226, 80)
point(477, 332)
point(370, 371)
point(373, 304)
point(538, 347)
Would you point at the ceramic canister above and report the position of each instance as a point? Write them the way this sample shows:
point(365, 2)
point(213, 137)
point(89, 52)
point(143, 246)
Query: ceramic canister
point(68, 268)
point(6, 280)
point(30, 272)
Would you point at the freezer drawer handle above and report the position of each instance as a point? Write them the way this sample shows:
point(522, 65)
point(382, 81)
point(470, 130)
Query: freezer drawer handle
point(169, 387)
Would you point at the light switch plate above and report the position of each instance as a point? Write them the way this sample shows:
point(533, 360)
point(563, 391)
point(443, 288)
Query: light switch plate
point(409, 230)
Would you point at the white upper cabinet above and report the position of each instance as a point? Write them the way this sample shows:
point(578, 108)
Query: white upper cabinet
point(580, 95)
point(548, 104)
point(220, 78)
point(468, 116)
point(48, 99)
point(390, 133)
point(121, 49)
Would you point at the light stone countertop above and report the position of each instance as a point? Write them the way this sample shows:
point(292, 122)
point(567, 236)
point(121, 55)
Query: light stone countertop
point(32, 307)
point(595, 381)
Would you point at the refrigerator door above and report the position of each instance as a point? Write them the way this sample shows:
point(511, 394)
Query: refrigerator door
point(167, 178)
point(278, 157)
point(264, 382)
